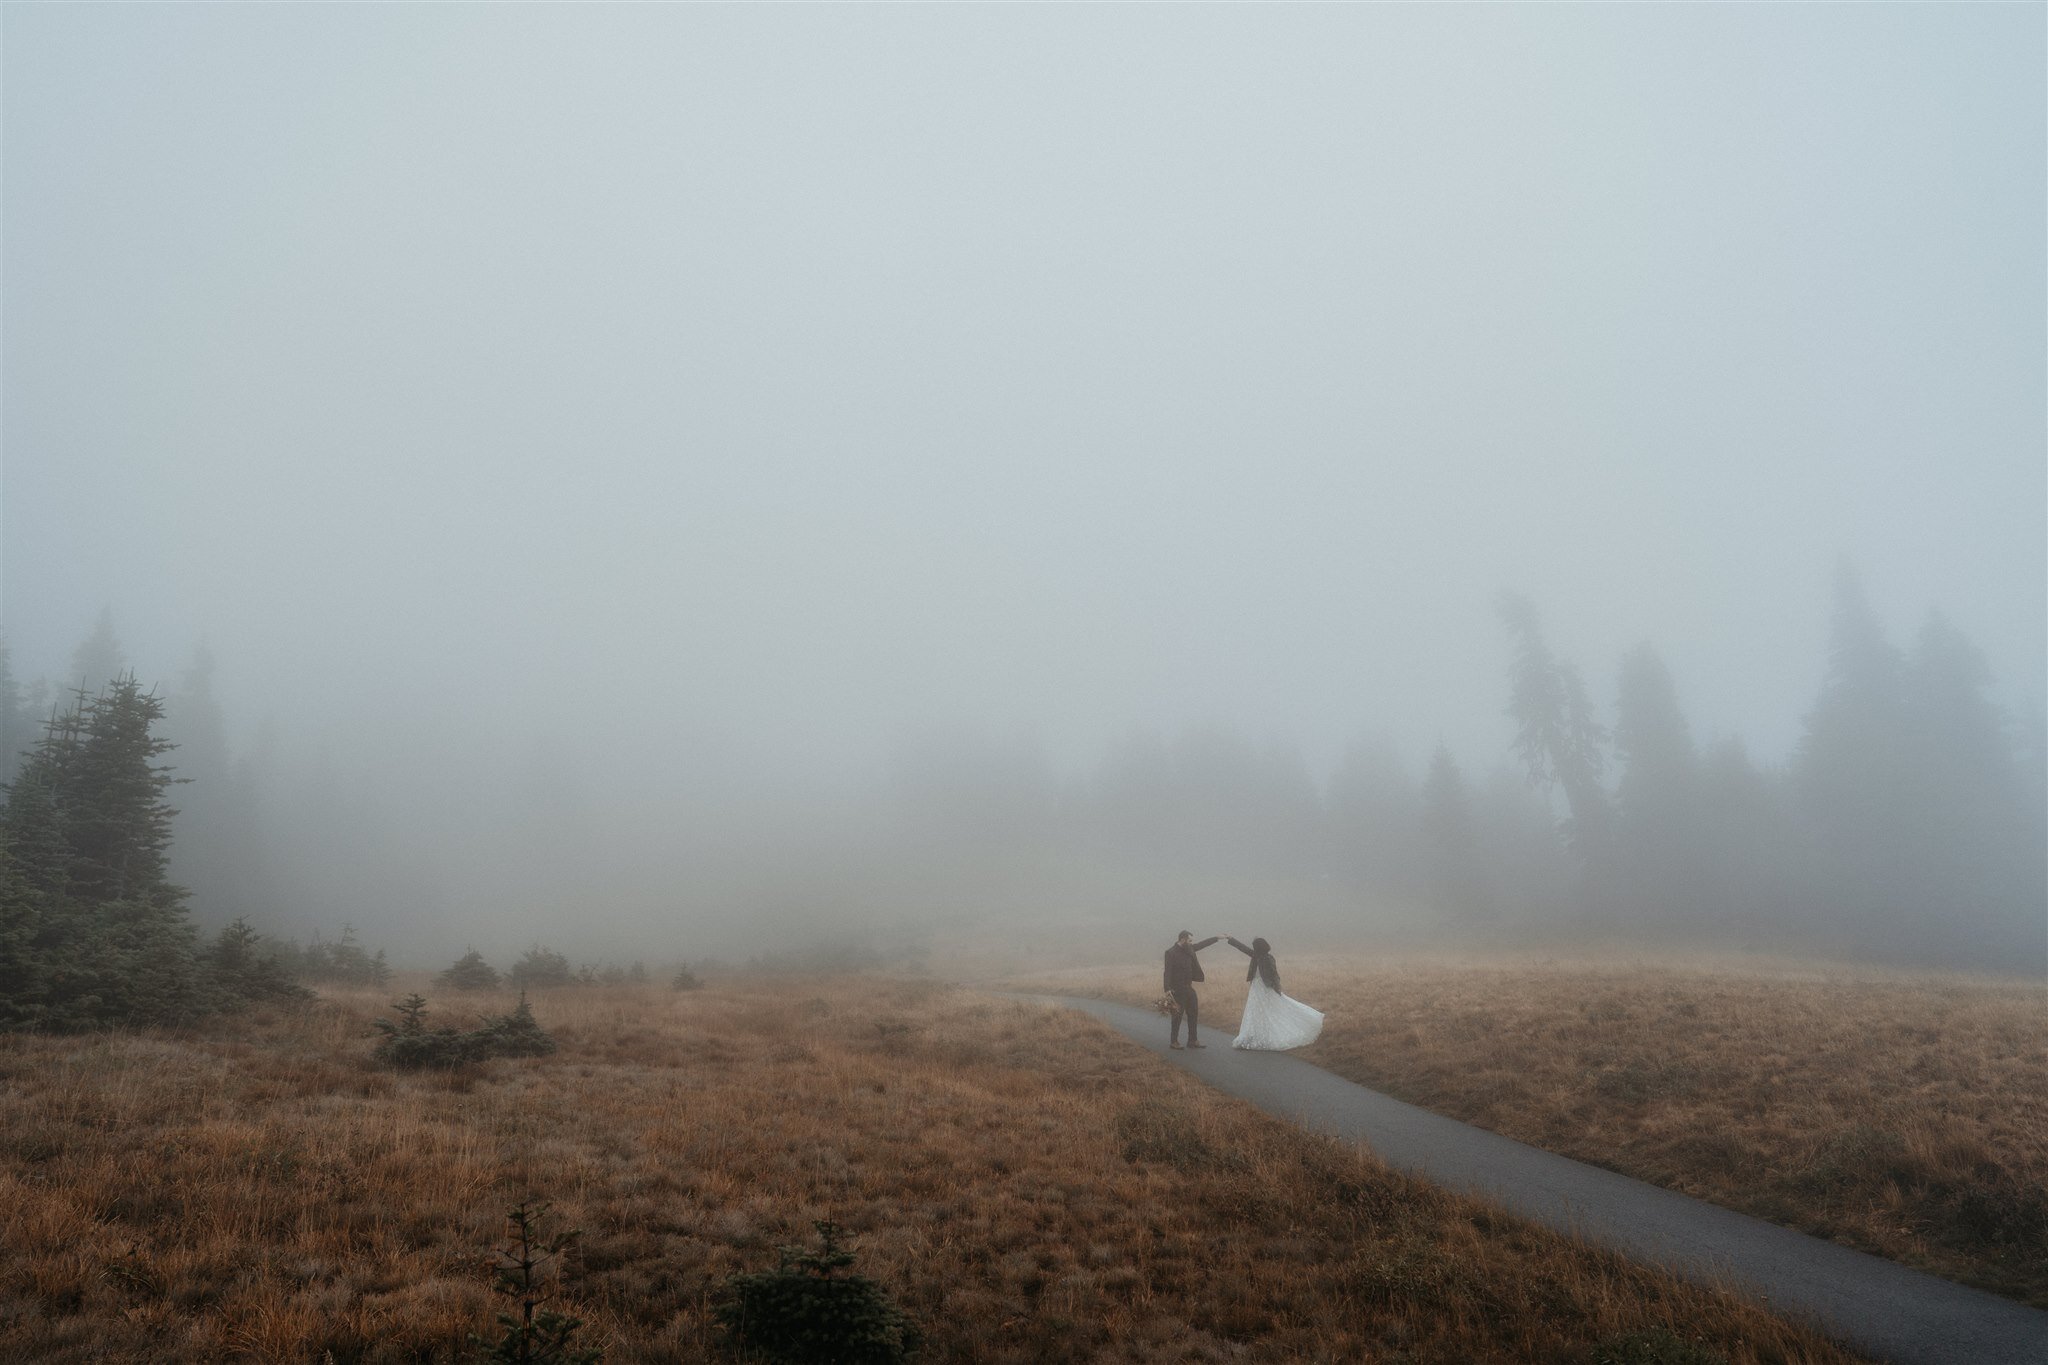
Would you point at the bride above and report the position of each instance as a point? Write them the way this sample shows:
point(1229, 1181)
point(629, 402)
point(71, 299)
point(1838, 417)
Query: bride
point(1272, 1021)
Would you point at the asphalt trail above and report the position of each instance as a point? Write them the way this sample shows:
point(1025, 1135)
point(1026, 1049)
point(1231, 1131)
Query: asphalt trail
point(1877, 1306)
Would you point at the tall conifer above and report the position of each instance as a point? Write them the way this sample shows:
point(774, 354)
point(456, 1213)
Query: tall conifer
point(91, 919)
point(1557, 735)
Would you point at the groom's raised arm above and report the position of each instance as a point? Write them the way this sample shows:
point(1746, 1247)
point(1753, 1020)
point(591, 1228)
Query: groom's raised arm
point(1205, 942)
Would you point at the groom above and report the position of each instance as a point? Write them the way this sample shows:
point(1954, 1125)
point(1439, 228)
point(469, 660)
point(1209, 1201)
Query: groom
point(1182, 972)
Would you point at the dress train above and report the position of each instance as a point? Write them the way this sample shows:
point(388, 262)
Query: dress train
point(1274, 1022)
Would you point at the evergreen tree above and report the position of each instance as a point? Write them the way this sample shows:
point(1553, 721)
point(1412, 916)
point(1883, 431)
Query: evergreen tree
point(117, 817)
point(1556, 735)
point(1976, 855)
point(23, 907)
point(810, 1310)
point(535, 1335)
point(14, 716)
point(1854, 777)
point(469, 973)
point(1926, 844)
point(32, 821)
point(1956, 737)
point(540, 967)
point(1657, 797)
point(86, 831)
point(345, 961)
point(241, 969)
point(1850, 756)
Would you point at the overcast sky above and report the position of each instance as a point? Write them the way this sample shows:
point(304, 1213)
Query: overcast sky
point(798, 378)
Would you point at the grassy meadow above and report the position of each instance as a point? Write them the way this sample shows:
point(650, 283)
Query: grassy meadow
point(1905, 1114)
point(1028, 1185)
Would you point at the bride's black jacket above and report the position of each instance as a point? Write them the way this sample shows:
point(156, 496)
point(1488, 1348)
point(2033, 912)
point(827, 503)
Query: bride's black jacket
point(1263, 964)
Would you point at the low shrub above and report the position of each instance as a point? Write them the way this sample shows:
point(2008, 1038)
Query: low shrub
point(469, 973)
point(805, 1312)
point(538, 967)
point(410, 1045)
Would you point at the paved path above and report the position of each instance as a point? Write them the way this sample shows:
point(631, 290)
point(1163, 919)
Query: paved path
point(1874, 1305)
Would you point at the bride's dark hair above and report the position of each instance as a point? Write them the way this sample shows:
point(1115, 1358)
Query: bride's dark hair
point(1263, 965)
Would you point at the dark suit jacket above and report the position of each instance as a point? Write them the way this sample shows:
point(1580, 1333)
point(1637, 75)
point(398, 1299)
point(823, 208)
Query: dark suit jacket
point(1181, 967)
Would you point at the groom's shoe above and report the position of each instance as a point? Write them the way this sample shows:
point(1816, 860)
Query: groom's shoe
point(1174, 1046)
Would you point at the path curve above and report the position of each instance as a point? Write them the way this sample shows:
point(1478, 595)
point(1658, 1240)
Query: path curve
point(1877, 1306)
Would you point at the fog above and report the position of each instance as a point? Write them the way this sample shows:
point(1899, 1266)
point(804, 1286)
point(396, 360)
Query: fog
point(675, 480)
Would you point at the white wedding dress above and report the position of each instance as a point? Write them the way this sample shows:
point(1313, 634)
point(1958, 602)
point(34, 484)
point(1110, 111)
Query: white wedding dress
point(1274, 1022)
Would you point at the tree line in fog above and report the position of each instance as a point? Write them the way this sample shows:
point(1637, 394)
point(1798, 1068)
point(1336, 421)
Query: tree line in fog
point(1907, 825)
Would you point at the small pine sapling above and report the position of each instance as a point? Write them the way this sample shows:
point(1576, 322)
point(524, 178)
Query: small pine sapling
point(517, 1034)
point(533, 1335)
point(412, 1016)
point(408, 1042)
point(806, 1312)
point(243, 970)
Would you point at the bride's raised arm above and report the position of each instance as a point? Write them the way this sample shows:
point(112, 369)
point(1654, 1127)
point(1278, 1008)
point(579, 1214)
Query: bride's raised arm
point(1235, 944)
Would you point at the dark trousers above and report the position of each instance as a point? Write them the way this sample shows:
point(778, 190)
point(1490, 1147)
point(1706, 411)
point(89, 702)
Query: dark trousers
point(1189, 1007)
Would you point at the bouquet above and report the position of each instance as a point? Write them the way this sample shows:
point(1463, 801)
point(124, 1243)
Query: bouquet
point(1167, 1005)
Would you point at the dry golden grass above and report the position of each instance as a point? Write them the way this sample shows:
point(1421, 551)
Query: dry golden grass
point(1029, 1185)
point(1905, 1114)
